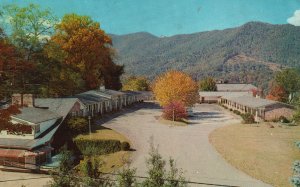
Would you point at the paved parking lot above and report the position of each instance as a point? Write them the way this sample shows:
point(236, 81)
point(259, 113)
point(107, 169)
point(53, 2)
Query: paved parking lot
point(188, 145)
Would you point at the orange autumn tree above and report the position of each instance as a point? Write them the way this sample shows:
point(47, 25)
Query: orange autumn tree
point(175, 86)
point(277, 93)
point(82, 44)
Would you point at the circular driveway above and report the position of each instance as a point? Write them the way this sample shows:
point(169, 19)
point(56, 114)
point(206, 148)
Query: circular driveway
point(188, 145)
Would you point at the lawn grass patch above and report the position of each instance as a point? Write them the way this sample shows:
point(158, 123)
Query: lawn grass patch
point(111, 161)
point(104, 133)
point(114, 161)
point(260, 151)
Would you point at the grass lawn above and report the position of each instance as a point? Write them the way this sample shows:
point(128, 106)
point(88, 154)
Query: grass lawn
point(104, 134)
point(114, 161)
point(111, 161)
point(260, 151)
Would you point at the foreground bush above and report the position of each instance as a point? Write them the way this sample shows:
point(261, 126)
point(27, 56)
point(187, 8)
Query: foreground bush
point(248, 118)
point(237, 112)
point(125, 146)
point(283, 119)
point(77, 125)
point(296, 116)
point(90, 175)
point(158, 175)
point(295, 180)
point(126, 177)
point(64, 174)
point(97, 147)
point(175, 110)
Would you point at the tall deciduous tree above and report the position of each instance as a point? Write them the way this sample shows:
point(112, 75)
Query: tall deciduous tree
point(289, 79)
point(30, 27)
point(12, 67)
point(5, 116)
point(134, 83)
point(296, 116)
point(87, 47)
point(175, 86)
point(277, 93)
point(208, 84)
point(174, 111)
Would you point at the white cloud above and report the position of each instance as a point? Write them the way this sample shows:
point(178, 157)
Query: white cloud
point(295, 19)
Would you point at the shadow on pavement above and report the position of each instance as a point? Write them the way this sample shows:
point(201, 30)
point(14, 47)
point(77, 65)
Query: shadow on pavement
point(126, 110)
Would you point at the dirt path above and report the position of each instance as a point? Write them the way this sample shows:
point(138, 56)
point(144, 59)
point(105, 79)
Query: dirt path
point(188, 145)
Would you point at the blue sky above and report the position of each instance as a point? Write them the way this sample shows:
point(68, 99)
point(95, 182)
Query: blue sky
point(170, 17)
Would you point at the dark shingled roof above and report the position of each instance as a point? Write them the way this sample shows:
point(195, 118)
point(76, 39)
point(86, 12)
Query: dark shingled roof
point(61, 106)
point(36, 115)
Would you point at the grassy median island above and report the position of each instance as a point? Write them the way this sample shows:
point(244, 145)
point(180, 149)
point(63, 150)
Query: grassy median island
point(262, 152)
point(112, 158)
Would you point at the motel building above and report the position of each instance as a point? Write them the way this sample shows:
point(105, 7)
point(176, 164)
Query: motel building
point(261, 109)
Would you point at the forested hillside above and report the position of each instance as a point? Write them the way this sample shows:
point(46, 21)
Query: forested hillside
point(249, 53)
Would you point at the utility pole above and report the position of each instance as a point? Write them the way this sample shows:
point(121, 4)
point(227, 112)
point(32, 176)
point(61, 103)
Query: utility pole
point(90, 129)
point(173, 114)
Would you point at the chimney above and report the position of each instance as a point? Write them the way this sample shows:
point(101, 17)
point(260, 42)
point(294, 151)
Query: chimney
point(17, 99)
point(28, 100)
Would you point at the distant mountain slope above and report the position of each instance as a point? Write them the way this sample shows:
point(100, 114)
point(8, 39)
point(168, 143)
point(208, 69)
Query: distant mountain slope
point(249, 53)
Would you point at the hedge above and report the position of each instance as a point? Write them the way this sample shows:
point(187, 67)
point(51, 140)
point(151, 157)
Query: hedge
point(248, 118)
point(125, 146)
point(237, 112)
point(96, 146)
point(283, 119)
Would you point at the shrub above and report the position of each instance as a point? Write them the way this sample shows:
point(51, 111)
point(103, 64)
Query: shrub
point(283, 119)
point(97, 147)
point(17, 129)
point(237, 112)
point(78, 125)
point(295, 180)
point(174, 108)
point(90, 167)
point(158, 175)
point(64, 174)
point(248, 118)
point(126, 177)
point(297, 143)
point(125, 146)
point(296, 116)
point(6, 124)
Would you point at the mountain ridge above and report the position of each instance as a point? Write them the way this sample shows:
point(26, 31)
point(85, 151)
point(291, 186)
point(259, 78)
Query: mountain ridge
point(206, 53)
